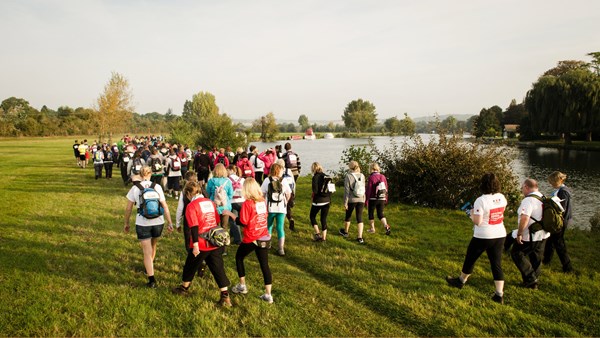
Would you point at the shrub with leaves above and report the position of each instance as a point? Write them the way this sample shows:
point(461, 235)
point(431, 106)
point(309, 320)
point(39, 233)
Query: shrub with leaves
point(360, 154)
point(595, 221)
point(444, 172)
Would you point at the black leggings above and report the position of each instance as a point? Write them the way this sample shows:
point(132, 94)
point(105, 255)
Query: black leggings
point(214, 260)
point(493, 247)
point(376, 204)
point(359, 211)
point(108, 169)
point(263, 259)
point(314, 210)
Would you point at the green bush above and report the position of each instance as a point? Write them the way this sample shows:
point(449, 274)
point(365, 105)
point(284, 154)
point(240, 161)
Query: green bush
point(595, 221)
point(444, 173)
point(360, 154)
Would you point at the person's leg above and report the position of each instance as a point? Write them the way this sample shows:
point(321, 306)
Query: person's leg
point(234, 229)
point(549, 249)
point(280, 219)
point(371, 214)
point(243, 250)
point(494, 252)
point(313, 219)
point(359, 219)
point(263, 260)
point(192, 264)
point(324, 213)
point(347, 217)
point(561, 251)
point(520, 255)
point(147, 250)
point(536, 257)
point(224, 221)
point(476, 247)
point(381, 216)
point(214, 260)
point(270, 220)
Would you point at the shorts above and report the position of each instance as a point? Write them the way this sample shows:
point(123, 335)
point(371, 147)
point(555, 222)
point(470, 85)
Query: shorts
point(147, 232)
point(173, 182)
point(82, 157)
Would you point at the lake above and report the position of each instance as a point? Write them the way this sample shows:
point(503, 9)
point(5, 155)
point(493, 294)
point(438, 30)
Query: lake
point(581, 167)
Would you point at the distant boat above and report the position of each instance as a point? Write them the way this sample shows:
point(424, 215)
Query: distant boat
point(328, 136)
point(295, 137)
point(309, 135)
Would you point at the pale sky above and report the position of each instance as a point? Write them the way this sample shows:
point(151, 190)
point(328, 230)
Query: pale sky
point(291, 57)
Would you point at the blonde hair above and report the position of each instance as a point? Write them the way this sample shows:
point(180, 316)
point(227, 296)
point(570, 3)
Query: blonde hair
point(251, 190)
point(374, 167)
point(275, 170)
point(557, 178)
point(145, 172)
point(281, 162)
point(191, 189)
point(316, 168)
point(220, 170)
point(353, 165)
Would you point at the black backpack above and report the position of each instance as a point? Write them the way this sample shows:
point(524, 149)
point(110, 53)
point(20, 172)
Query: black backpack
point(324, 188)
point(136, 166)
point(274, 191)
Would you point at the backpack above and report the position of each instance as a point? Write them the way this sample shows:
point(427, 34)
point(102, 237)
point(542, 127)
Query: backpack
point(552, 216)
point(221, 159)
point(237, 187)
point(327, 186)
point(220, 196)
point(246, 169)
point(381, 190)
point(98, 157)
point(156, 165)
point(293, 185)
point(291, 160)
point(358, 187)
point(184, 161)
point(217, 236)
point(137, 166)
point(149, 206)
point(176, 164)
point(126, 158)
point(274, 191)
point(109, 156)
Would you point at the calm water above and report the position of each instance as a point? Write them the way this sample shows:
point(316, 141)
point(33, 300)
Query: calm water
point(581, 167)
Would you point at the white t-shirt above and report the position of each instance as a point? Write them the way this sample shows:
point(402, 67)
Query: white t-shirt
point(134, 196)
point(289, 180)
point(280, 207)
point(173, 173)
point(491, 208)
point(532, 207)
point(257, 163)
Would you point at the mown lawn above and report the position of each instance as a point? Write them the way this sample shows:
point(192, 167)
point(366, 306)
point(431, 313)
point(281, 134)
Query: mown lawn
point(68, 269)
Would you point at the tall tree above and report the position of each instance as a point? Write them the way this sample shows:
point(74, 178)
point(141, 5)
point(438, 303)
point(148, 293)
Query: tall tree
point(489, 122)
point(267, 126)
point(303, 122)
point(515, 113)
point(114, 106)
point(359, 115)
point(565, 66)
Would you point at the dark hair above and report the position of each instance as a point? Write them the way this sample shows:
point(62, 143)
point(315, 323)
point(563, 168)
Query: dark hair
point(489, 184)
point(288, 146)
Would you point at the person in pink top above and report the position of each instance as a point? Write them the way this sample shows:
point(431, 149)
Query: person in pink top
point(377, 197)
point(269, 157)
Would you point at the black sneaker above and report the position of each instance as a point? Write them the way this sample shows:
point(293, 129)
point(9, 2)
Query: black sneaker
point(151, 285)
point(455, 282)
point(388, 230)
point(498, 299)
point(360, 241)
point(180, 290)
point(317, 238)
point(292, 224)
point(343, 232)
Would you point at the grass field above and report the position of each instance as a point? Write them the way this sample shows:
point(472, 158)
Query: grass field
point(68, 269)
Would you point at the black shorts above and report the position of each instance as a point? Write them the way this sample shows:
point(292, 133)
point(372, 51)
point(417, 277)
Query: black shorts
point(82, 157)
point(173, 182)
point(149, 231)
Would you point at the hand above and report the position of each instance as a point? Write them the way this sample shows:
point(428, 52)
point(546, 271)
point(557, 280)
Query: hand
point(195, 251)
point(346, 206)
point(520, 239)
point(126, 228)
point(170, 228)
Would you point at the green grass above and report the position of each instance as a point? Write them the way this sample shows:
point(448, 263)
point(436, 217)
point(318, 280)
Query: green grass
point(67, 268)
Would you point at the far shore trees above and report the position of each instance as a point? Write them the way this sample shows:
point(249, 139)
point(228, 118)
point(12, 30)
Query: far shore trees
point(114, 107)
point(267, 127)
point(359, 115)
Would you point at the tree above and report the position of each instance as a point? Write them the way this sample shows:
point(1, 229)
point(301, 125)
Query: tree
point(565, 66)
point(267, 126)
point(489, 122)
point(203, 105)
point(450, 124)
point(303, 122)
point(114, 106)
point(595, 64)
point(359, 115)
point(392, 125)
point(515, 113)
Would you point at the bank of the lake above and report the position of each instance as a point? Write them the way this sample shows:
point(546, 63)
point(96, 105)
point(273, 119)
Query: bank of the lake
point(67, 269)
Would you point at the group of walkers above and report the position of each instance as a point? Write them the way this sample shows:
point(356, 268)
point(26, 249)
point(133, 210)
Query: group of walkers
point(247, 194)
point(540, 231)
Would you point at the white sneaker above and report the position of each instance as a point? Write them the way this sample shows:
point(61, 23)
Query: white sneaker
point(240, 288)
point(267, 298)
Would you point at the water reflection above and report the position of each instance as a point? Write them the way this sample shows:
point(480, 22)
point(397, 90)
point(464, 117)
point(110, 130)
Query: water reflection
point(581, 167)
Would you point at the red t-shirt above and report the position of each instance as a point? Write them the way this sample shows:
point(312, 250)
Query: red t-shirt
point(254, 216)
point(201, 215)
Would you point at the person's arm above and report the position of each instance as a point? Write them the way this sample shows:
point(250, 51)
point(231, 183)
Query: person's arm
point(347, 189)
point(477, 212)
point(195, 237)
point(523, 222)
point(128, 209)
point(167, 215)
point(179, 214)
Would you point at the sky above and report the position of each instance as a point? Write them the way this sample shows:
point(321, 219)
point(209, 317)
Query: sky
point(291, 57)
